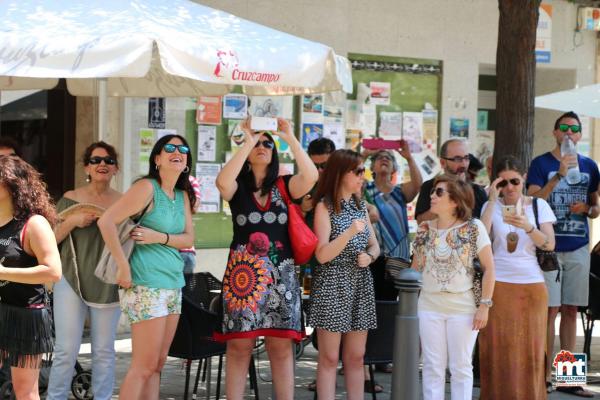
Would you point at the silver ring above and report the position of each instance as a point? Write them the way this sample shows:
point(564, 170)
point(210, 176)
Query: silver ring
point(139, 234)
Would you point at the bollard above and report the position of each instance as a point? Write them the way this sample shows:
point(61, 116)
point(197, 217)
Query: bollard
point(405, 375)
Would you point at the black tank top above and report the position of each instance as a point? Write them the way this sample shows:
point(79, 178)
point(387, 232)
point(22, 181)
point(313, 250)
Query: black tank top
point(12, 255)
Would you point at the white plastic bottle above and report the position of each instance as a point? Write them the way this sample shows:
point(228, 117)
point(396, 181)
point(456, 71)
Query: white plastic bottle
point(568, 147)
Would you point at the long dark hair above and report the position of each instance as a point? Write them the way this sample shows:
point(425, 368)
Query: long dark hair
point(246, 176)
point(27, 190)
point(339, 163)
point(183, 182)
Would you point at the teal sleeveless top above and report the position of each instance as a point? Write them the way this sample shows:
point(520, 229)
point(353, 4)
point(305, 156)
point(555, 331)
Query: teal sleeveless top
point(156, 265)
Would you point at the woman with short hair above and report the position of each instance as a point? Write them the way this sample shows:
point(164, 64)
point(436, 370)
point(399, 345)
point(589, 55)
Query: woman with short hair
point(449, 319)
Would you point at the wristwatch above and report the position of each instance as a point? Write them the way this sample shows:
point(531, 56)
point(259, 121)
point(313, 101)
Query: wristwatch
point(486, 302)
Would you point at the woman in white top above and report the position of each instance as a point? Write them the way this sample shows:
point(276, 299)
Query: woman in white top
point(518, 318)
point(449, 319)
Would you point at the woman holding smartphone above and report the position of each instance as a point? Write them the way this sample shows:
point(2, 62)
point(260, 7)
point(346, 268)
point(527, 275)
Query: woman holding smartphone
point(518, 319)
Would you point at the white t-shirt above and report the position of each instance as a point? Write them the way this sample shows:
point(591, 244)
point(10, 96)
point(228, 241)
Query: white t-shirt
point(446, 263)
point(520, 266)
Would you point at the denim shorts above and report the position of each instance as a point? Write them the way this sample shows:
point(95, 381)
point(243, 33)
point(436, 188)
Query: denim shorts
point(141, 303)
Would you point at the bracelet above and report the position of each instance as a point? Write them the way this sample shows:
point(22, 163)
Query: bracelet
point(166, 241)
point(531, 230)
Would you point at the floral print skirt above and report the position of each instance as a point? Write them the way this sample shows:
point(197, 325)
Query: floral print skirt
point(261, 293)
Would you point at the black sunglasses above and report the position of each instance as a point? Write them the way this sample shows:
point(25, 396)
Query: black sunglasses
point(457, 159)
point(439, 191)
point(170, 148)
point(267, 144)
point(321, 165)
point(98, 160)
point(360, 171)
point(505, 182)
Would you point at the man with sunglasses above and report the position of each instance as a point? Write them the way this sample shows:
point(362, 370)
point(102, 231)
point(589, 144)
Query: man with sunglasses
point(454, 159)
point(572, 205)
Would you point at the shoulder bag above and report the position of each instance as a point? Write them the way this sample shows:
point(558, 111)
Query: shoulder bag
point(106, 269)
point(547, 260)
point(302, 238)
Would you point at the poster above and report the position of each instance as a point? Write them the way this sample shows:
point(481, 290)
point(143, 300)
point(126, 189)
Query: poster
point(352, 114)
point(146, 144)
point(484, 145)
point(390, 125)
point(207, 143)
point(334, 105)
point(368, 120)
point(235, 106)
point(235, 134)
point(428, 164)
point(430, 128)
point(207, 176)
point(412, 130)
point(336, 132)
point(482, 120)
point(209, 110)
point(380, 93)
point(311, 132)
point(271, 106)
point(543, 39)
point(157, 114)
point(459, 127)
point(312, 109)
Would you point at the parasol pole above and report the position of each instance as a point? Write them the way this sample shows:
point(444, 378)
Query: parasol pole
point(102, 104)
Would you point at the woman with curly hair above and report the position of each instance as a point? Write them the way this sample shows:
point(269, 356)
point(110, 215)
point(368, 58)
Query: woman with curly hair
point(261, 294)
point(80, 292)
point(153, 275)
point(28, 258)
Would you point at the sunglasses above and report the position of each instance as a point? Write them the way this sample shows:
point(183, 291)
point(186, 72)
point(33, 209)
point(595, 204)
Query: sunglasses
point(170, 148)
point(360, 171)
point(439, 191)
point(383, 157)
point(566, 127)
point(505, 182)
point(267, 144)
point(321, 165)
point(98, 160)
point(457, 159)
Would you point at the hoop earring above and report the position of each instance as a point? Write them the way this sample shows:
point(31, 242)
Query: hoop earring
point(186, 169)
point(88, 178)
point(156, 167)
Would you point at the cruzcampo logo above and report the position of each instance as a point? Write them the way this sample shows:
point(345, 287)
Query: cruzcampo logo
point(570, 368)
point(228, 67)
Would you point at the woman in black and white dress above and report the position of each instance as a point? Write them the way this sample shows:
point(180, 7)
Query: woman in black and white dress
point(342, 295)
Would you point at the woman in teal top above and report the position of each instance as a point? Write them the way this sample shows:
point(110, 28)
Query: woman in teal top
point(153, 276)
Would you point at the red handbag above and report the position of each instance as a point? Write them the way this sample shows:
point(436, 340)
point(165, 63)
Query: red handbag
point(303, 239)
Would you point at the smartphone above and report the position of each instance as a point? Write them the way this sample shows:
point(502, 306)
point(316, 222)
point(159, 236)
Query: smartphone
point(260, 124)
point(509, 210)
point(380, 144)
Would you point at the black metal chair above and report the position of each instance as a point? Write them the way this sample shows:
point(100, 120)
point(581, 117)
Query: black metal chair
point(380, 341)
point(194, 336)
point(592, 312)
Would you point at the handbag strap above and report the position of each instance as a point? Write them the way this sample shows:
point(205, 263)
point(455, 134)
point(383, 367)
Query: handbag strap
point(139, 220)
point(473, 232)
point(534, 203)
point(282, 189)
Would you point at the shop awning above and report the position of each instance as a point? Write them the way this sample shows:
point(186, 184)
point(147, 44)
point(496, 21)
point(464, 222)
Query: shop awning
point(584, 100)
point(157, 48)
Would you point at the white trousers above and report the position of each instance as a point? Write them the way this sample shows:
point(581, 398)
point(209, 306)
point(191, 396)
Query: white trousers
point(447, 340)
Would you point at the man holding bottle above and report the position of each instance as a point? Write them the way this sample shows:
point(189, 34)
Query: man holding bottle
point(569, 183)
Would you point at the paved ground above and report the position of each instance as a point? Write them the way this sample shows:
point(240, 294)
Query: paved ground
point(172, 385)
